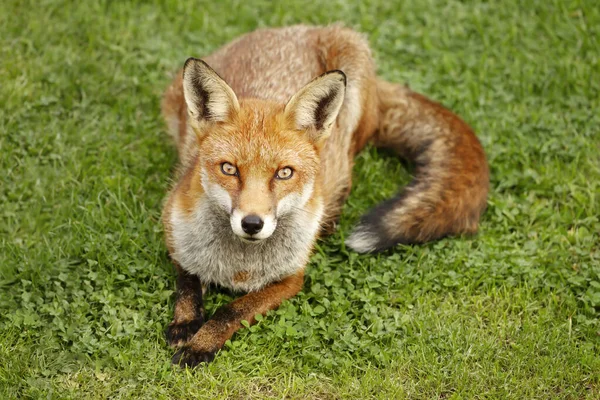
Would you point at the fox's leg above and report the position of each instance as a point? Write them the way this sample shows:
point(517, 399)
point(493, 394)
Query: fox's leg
point(189, 311)
point(227, 320)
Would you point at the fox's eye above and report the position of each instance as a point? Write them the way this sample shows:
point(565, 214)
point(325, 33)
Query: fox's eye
point(284, 173)
point(228, 169)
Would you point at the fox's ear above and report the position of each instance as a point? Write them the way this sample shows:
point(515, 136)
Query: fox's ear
point(207, 96)
point(316, 106)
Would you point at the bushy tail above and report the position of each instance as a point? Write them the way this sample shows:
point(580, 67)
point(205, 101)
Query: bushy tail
point(449, 191)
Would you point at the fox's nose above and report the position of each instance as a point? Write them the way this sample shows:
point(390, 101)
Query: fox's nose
point(252, 224)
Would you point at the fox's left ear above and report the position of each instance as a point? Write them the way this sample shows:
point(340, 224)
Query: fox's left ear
point(207, 96)
point(316, 106)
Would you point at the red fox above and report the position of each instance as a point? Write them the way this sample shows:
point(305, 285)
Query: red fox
point(266, 129)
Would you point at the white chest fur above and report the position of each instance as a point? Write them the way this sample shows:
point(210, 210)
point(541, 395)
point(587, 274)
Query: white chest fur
point(206, 246)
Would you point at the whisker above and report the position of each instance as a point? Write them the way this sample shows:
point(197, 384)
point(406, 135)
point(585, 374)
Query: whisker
point(306, 211)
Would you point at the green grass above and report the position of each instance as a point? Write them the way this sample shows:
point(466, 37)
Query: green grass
point(85, 284)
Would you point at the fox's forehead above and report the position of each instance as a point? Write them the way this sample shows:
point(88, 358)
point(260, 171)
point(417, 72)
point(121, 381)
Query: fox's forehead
point(265, 151)
point(260, 137)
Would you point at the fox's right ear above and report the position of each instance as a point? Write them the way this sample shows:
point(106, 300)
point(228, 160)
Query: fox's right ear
point(316, 106)
point(207, 96)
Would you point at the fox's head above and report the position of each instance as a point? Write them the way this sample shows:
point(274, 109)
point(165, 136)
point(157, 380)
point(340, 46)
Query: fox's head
point(259, 160)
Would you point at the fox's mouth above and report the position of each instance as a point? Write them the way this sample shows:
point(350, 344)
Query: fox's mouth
point(250, 239)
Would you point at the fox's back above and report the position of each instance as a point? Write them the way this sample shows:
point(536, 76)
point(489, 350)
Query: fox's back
point(270, 64)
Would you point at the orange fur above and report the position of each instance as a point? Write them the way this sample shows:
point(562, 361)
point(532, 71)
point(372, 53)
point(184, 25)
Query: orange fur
point(243, 117)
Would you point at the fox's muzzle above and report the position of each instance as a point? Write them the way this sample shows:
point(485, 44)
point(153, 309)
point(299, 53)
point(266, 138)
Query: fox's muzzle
point(252, 226)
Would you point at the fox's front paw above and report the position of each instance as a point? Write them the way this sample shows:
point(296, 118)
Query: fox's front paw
point(179, 334)
point(188, 357)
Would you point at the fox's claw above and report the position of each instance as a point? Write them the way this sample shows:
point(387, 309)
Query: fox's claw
point(179, 334)
point(188, 357)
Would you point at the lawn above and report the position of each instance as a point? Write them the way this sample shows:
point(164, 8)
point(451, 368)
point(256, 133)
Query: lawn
point(86, 288)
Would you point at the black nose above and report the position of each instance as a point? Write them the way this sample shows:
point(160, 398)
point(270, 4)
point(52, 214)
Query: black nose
point(252, 224)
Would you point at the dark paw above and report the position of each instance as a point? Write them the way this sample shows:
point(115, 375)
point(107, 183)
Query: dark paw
point(187, 357)
point(181, 333)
